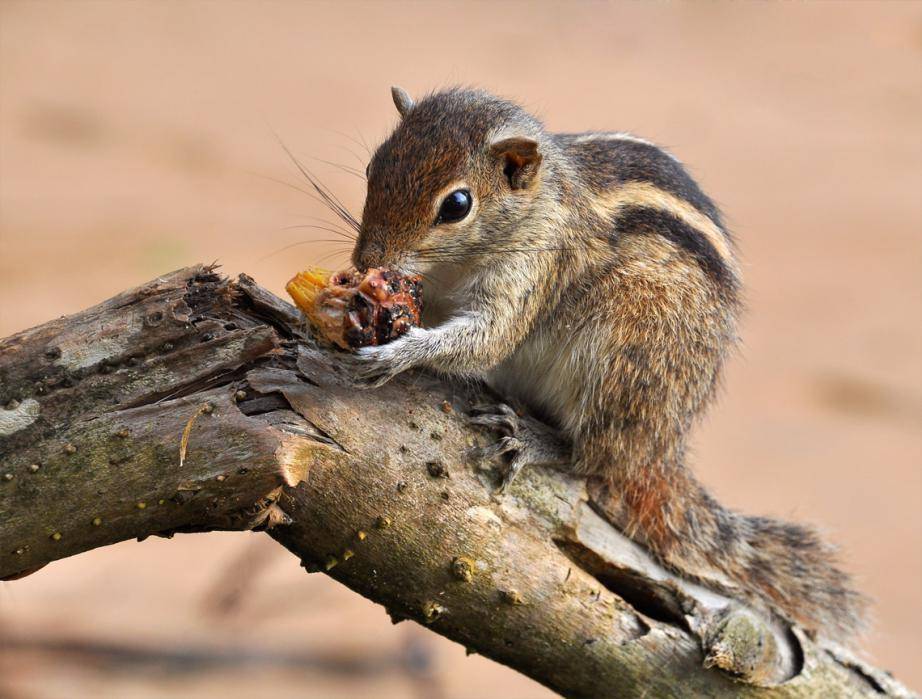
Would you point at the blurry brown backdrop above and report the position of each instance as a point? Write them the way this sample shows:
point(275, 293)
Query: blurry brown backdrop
point(138, 137)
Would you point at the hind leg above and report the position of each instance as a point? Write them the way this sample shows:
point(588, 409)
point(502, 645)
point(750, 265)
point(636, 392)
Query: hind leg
point(521, 442)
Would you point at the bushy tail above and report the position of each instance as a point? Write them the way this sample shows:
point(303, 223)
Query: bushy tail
point(787, 567)
point(795, 571)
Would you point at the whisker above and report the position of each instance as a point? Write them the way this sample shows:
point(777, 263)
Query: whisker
point(345, 168)
point(362, 163)
point(332, 202)
point(429, 277)
point(332, 224)
point(466, 247)
point(364, 142)
point(324, 258)
point(289, 247)
point(460, 252)
point(343, 237)
point(351, 138)
point(351, 222)
point(330, 199)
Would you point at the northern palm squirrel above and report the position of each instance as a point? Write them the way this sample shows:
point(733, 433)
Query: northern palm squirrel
point(588, 276)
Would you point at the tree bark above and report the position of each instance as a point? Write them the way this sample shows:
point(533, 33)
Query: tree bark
point(195, 403)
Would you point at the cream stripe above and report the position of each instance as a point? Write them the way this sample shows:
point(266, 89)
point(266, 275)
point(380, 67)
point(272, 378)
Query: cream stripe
point(612, 136)
point(645, 194)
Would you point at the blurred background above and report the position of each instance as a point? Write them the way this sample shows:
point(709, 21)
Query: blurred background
point(138, 137)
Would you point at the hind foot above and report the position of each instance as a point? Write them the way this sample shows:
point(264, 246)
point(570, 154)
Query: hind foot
point(521, 442)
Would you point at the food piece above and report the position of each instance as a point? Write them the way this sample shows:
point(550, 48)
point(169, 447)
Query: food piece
point(355, 309)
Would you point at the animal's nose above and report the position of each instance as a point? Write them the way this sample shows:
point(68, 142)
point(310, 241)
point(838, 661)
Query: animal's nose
point(370, 255)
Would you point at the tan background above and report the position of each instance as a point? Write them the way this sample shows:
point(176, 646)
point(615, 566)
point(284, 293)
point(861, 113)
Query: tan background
point(138, 137)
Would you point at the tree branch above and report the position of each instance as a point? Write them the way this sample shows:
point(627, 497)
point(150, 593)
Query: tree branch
point(376, 488)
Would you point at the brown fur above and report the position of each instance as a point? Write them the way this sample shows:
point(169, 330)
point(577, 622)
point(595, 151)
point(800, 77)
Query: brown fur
point(595, 282)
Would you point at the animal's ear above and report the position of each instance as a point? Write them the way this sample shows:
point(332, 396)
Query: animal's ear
point(520, 160)
point(402, 100)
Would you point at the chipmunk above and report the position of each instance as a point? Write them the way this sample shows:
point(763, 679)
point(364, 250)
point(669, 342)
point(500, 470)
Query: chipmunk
point(588, 277)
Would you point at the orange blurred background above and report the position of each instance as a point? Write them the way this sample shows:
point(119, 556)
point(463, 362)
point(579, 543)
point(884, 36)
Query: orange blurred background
point(138, 137)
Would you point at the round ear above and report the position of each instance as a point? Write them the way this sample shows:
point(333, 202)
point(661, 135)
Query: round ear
point(402, 100)
point(520, 160)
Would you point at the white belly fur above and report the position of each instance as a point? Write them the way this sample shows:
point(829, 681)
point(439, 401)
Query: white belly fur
point(546, 374)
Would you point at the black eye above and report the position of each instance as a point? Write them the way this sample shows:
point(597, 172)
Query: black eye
point(455, 206)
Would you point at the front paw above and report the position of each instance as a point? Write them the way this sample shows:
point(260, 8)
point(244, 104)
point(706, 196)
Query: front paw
point(371, 367)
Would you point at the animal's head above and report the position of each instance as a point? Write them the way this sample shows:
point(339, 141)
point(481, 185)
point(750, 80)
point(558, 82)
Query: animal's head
point(461, 168)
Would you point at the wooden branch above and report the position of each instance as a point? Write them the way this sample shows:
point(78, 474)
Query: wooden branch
point(376, 488)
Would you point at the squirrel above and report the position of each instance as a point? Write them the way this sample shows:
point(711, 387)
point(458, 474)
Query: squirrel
point(588, 277)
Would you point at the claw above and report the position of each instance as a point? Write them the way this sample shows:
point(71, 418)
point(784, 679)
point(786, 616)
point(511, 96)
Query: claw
point(499, 417)
point(504, 445)
point(517, 442)
point(493, 409)
point(503, 419)
point(512, 470)
point(500, 423)
point(364, 372)
point(375, 378)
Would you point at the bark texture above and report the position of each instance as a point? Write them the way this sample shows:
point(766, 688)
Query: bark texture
point(196, 403)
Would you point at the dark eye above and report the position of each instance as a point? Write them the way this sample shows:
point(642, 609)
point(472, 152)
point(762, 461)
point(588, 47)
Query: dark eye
point(455, 206)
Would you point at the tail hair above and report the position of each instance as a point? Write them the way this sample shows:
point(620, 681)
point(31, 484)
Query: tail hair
point(784, 567)
point(795, 571)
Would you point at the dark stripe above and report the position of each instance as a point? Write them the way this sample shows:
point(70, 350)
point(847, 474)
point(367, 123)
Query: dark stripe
point(640, 219)
point(607, 163)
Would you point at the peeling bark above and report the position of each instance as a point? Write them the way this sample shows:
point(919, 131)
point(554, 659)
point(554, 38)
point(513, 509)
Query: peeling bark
point(376, 488)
